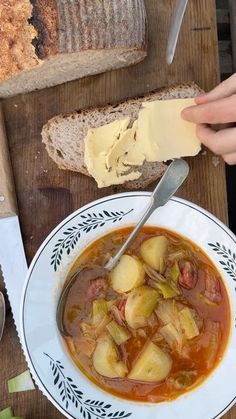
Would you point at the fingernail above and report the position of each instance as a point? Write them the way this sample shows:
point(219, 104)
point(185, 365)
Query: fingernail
point(201, 98)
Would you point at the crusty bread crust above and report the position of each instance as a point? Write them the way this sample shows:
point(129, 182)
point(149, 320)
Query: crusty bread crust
point(178, 91)
point(79, 25)
point(64, 135)
point(16, 34)
point(45, 20)
point(33, 33)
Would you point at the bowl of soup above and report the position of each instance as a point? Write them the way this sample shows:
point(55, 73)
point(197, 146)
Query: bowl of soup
point(152, 338)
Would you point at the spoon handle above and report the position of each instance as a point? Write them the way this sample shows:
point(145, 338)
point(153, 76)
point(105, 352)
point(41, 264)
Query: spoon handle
point(168, 185)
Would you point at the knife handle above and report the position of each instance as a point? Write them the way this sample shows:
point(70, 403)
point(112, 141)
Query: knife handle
point(8, 204)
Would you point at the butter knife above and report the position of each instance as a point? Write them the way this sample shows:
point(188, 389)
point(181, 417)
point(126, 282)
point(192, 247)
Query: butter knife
point(12, 256)
point(175, 29)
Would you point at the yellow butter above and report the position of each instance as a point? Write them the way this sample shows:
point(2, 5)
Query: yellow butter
point(119, 148)
point(99, 143)
point(123, 154)
point(132, 155)
point(161, 132)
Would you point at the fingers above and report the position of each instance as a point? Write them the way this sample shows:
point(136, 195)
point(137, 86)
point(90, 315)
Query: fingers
point(230, 158)
point(216, 107)
point(222, 142)
point(223, 90)
point(201, 99)
point(218, 112)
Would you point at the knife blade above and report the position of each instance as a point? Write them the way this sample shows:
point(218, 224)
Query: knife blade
point(12, 255)
point(175, 29)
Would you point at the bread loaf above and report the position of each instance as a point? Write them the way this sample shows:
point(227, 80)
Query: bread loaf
point(54, 41)
point(64, 135)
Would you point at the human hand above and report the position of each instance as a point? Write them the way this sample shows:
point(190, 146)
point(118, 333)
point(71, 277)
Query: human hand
point(213, 108)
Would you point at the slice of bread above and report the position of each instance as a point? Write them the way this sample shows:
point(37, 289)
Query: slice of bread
point(64, 135)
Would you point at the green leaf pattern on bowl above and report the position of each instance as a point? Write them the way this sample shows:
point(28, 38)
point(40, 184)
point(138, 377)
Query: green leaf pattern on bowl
point(229, 258)
point(70, 394)
point(88, 222)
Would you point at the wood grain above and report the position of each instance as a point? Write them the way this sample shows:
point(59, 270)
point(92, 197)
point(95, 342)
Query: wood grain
point(7, 190)
point(232, 11)
point(46, 194)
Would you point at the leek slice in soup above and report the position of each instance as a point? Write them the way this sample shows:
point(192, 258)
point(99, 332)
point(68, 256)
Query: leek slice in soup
point(99, 310)
point(139, 306)
point(119, 333)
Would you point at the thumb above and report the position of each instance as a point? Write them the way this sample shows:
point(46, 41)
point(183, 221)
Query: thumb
point(225, 89)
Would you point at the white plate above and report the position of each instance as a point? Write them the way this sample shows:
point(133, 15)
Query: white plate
point(54, 372)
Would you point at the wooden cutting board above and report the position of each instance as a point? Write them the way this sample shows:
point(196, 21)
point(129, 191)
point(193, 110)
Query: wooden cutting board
point(46, 194)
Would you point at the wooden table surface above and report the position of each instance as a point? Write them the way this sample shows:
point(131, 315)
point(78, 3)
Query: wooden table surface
point(46, 195)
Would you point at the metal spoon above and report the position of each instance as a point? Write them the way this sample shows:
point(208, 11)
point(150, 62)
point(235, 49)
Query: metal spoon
point(2, 314)
point(168, 185)
point(171, 181)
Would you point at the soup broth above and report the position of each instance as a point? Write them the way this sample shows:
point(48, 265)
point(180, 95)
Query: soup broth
point(153, 328)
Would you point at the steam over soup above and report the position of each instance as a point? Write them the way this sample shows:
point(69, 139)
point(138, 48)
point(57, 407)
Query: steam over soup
point(155, 326)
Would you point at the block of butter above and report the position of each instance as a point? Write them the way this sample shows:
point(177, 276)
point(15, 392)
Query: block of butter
point(159, 134)
point(103, 147)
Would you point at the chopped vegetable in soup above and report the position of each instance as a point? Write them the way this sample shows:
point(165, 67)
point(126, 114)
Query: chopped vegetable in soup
point(156, 325)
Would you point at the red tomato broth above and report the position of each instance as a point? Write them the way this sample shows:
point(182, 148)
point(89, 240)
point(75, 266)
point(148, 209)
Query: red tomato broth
point(97, 254)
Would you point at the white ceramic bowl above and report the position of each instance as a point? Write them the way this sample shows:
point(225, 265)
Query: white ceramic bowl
point(54, 372)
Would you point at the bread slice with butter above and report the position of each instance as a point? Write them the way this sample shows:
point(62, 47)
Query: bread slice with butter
point(64, 135)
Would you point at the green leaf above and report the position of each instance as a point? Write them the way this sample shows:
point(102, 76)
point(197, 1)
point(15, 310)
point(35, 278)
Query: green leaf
point(22, 382)
point(6, 413)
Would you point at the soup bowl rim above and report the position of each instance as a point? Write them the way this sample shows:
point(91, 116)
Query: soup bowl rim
point(130, 404)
